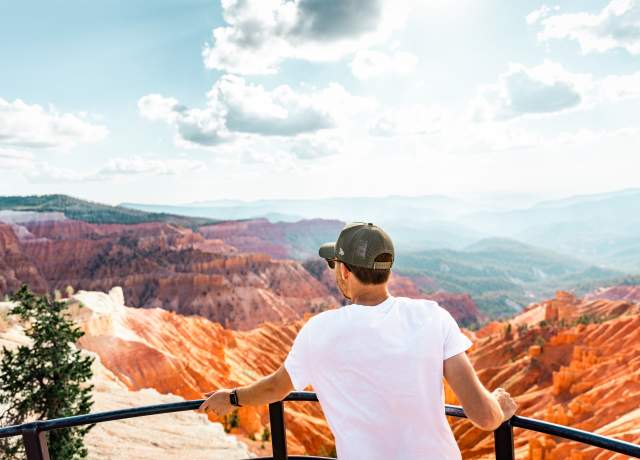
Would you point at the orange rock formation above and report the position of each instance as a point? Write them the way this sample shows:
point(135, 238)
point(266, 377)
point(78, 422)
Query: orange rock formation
point(187, 356)
point(15, 267)
point(568, 361)
point(582, 369)
point(622, 292)
point(159, 265)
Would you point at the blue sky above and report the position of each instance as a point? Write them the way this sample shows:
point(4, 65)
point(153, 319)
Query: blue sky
point(178, 101)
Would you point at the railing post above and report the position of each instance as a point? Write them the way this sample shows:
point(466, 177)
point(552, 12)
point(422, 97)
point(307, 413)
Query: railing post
point(278, 431)
point(35, 442)
point(503, 441)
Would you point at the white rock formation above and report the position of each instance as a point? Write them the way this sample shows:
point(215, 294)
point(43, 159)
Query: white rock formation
point(175, 436)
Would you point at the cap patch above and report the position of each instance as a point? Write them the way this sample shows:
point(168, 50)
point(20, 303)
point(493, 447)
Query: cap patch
point(361, 251)
point(340, 251)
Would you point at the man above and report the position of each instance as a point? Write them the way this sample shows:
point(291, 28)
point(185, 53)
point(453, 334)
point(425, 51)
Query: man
point(377, 364)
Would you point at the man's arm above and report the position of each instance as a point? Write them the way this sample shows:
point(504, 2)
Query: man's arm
point(486, 410)
point(268, 389)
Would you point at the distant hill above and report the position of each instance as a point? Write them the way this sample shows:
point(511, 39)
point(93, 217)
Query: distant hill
point(501, 274)
point(97, 213)
point(374, 209)
point(415, 222)
point(602, 228)
point(282, 240)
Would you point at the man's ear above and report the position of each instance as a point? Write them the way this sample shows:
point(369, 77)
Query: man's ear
point(344, 272)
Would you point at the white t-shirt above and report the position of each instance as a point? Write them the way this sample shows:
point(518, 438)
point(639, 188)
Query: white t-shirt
point(378, 371)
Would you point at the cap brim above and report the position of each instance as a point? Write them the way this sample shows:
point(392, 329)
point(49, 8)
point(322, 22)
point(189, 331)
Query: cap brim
point(327, 251)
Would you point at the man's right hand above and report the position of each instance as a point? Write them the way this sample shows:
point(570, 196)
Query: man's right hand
point(486, 410)
point(507, 404)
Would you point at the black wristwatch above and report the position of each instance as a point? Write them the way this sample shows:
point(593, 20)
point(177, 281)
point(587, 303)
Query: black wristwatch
point(233, 398)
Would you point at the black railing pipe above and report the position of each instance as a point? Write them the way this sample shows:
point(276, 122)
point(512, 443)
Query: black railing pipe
point(35, 441)
point(278, 431)
point(33, 433)
point(503, 442)
point(98, 417)
point(574, 434)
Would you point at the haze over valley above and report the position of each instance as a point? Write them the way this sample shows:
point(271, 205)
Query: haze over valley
point(502, 264)
point(213, 302)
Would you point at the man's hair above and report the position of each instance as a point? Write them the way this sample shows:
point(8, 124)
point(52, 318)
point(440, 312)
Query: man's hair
point(371, 275)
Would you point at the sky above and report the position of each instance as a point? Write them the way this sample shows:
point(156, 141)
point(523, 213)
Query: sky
point(170, 102)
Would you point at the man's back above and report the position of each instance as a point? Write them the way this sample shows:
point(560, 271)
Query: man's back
point(377, 371)
point(377, 365)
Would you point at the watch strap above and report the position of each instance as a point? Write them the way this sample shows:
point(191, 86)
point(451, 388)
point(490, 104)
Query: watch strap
point(233, 398)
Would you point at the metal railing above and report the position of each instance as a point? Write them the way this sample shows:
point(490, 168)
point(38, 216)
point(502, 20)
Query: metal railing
point(35, 442)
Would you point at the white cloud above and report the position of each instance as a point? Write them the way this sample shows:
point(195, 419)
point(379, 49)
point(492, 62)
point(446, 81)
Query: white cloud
point(587, 136)
point(281, 153)
point(32, 126)
point(237, 108)
point(413, 120)
point(616, 87)
point(616, 26)
point(249, 108)
point(369, 64)
point(45, 173)
point(312, 147)
point(116, 168)
point(149, 166)
point(199, 127)
point(545, 89)
point(157, 107)
point(11, 159)
point(262, 33)
point(540, 13)
point(473, 138)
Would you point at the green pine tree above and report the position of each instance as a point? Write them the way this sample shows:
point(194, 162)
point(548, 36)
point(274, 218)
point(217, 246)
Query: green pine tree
point(47, 379)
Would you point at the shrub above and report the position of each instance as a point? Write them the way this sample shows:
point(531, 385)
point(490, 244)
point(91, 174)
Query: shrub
point(588, 319)
point(231, 421)
point(47, 379)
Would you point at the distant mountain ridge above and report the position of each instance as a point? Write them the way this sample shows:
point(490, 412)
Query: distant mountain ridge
point(601, 228)
point(428, 207)
point(480, 257)
point(593, 197)
point(96, 213)
point(501, 274)
point(415, 222)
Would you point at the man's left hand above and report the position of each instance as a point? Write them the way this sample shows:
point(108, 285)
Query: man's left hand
point(217, 402)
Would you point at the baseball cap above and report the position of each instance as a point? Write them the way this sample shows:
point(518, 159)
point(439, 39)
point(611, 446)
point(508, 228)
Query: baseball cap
point(359, 244)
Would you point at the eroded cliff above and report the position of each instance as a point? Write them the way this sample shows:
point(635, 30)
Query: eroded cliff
point(159, 265)
point(187, 356)
point(568, 361)
point(172, 436)
point(565, 360)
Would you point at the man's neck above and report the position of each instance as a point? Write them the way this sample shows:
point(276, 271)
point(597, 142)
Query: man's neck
point(371, 297)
